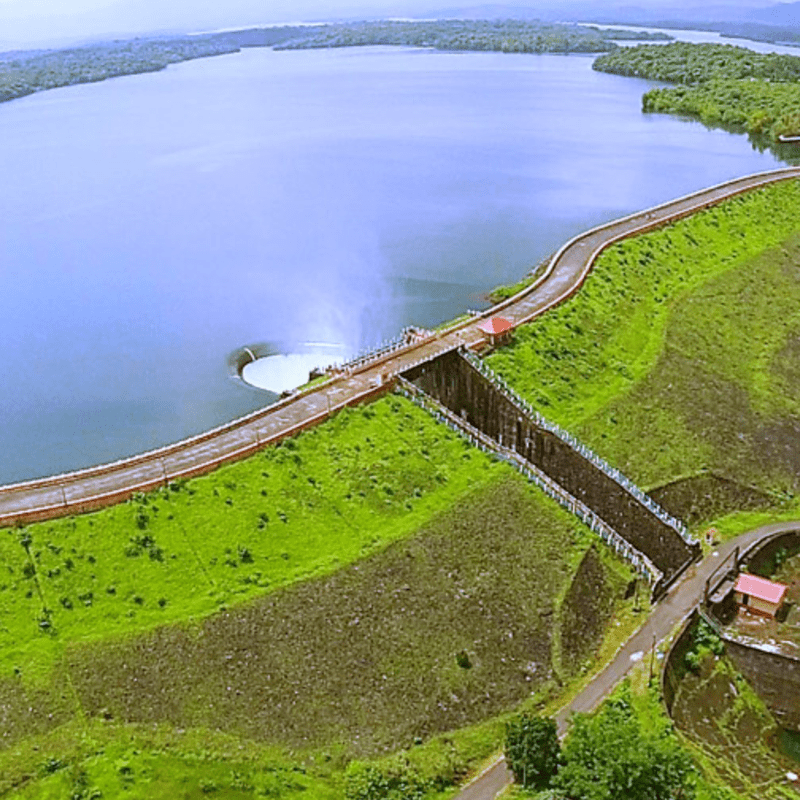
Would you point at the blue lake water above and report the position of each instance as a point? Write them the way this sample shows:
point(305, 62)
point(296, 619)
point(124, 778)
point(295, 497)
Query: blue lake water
point(152, 224)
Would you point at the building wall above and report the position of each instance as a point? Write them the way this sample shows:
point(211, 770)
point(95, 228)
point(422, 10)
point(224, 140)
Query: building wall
point(762, 607)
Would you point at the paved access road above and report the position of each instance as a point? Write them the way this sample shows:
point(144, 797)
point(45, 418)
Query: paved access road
point(679, 603)
point(111, 483)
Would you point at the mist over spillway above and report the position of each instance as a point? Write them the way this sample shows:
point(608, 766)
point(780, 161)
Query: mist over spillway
point(282, 372)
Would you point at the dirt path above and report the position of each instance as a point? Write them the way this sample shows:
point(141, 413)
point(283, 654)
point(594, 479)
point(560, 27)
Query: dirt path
point(111, 483)
point(679, 603)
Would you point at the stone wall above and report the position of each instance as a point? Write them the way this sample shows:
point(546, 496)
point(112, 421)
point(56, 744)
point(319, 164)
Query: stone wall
point(456, 384)
point(674, 666)
point(761, 559)
point(775, 678)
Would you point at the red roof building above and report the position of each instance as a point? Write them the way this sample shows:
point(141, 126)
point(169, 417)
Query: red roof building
point(496, 329)
point(759, 595)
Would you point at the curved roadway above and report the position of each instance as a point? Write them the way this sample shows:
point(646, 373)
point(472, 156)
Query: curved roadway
point(679, 603)
point(110, 483)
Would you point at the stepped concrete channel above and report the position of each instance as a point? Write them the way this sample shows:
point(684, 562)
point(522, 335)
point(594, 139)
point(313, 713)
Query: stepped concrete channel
point(104, 485)
point(654, 542)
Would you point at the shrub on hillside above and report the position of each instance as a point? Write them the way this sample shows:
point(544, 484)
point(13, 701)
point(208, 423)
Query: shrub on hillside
point(532, 750)
point(393, 782)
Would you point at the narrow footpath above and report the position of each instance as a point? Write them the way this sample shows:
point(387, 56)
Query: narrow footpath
point(107, 484)
point(678, 604)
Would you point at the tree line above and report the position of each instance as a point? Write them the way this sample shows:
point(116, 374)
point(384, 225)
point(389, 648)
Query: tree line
point(23, 73)
point(508, 36)
point(721, 85)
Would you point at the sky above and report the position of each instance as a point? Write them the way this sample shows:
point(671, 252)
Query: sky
point(26, 23)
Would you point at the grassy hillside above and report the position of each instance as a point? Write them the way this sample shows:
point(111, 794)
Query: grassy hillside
point(677, 359)
point(362, 588)
point(493, 599)
point(432, 634)
point(307, 507)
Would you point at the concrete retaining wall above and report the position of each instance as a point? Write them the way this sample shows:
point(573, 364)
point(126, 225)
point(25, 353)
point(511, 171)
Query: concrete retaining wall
point(761, 558)
point(457, 385)
point(674, 668)
point(774, 676)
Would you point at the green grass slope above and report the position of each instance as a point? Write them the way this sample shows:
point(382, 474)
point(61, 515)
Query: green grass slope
point(456, 624)
point(677, 356)
point(362, 588)
point(322, 500)
point(434, 633)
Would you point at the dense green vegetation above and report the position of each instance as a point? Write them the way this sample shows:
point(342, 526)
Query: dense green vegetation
point(508, 36)
point(278, 599)
point(532, 750)
point(25, 72)
point(611, 755)
point(681, 62)
point(722, 84)
point(761, 108)
point(627, 749)
point(700, 381)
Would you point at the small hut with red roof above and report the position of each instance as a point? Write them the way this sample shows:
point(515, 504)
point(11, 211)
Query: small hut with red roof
point(759, 595)
point(496, 330)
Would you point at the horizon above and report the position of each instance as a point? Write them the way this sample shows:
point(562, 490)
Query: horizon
point(30, 24)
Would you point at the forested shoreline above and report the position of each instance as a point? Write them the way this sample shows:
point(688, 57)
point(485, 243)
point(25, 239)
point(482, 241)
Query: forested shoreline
point(782, 33)
point(721, 85)
point(25, 72)
point(508, 36)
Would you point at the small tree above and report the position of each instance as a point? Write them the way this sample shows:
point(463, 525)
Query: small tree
point(532, 750)
point(608, 756)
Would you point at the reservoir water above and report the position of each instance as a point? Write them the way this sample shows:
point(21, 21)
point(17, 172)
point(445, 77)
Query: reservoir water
point(153, 224)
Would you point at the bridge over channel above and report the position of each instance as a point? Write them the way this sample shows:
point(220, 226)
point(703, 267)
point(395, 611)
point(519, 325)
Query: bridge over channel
point(104, 485)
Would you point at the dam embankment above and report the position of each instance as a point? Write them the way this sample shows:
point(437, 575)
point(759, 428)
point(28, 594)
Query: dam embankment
point(104, 485)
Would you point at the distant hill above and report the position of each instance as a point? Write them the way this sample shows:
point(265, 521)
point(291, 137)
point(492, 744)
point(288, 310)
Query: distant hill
point(582, 11)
